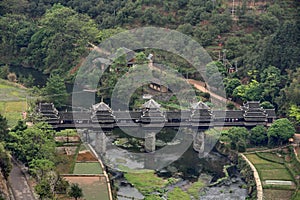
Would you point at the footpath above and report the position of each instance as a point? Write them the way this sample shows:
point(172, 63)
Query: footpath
point(19, 184)
point(259, 188)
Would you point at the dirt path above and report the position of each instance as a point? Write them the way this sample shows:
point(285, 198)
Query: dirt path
point(256, 177)
point(200, 86)
point(19, 185)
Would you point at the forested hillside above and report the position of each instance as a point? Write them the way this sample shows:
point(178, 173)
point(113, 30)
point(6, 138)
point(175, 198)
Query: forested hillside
point(260, 38)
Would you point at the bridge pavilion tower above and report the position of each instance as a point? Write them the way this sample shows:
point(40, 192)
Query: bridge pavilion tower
point(48, 113)
point(254, 114)
point(201, 117)
point(152, 118)
point(103, 115)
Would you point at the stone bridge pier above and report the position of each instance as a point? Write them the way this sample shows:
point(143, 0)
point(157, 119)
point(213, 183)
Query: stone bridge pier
point(100, 142)
point(199, 142)
point(150, 139)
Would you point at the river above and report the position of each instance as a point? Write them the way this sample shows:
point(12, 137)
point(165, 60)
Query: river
point(188, 169)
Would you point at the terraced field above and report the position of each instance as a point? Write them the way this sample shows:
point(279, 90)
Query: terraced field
point(87, 168)
point(12, 101)
point(277, 181)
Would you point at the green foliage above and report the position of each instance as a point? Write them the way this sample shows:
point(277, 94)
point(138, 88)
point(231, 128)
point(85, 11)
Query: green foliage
point(271, 81)
point(43, 189)
point(5, 162)
point(61, 185)
point(280, 131)
point(258, 135)
point(75, 191)
point(238, 138)
point(140, 58)
point(62, 40)
point(40, 167)
point(145, 182)
point(4, 71)
point(55, 91)
point(294, 112)
point(3, 128)
point(267, 105)
point(194, 189)
point(177, 193)
point(15, 37)
point(230, 84)
point(250, 92)
point(36, 142)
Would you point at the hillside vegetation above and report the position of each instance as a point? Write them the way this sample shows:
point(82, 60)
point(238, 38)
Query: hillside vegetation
point(258, 38)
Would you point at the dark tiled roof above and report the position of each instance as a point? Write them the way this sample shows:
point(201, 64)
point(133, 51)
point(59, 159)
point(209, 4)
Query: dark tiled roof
point(270, 113)
point(101, 107)
point(184, 114)
point(151, 104)
point(199, 105)
point(75, 114)
point(228, 114)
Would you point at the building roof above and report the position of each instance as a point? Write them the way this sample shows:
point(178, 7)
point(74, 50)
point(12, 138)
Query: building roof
point(228, 114)
point(101, 61)
point(101, 107)
point(151, 104)
point(123, 50)
point(271, 113)
point(250, 105)
point(200, 105)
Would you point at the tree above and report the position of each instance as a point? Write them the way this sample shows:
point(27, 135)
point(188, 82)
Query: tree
point(251, 92)
point(55, 91)
point(140, 58)
point(280, 131)
point(271, 80)
point(3, 128)
point(36, 142)
point(238, 137)
point(290, 94)
point(43, 189)
point(258, 135)
point(294, 113)
point(76, 191)
point(61, 40)
point(40, 167)
point(230, 84)
point(61, 185)
point(5, 162)
point(4, 71)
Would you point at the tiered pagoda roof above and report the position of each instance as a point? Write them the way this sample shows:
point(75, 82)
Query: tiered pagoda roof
point(201, 112)
point(48, 112)
point(152, 113)
point(102, 113)
point(253, 113)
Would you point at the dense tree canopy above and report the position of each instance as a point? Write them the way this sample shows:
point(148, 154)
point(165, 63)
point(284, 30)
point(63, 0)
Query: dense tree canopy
point(280, 131)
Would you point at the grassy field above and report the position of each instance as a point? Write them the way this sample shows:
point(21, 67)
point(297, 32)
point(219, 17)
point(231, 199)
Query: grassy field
point(270, 170)
point(277, 194)
point(92, 188)
point(12, 101)
point(87, 168)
